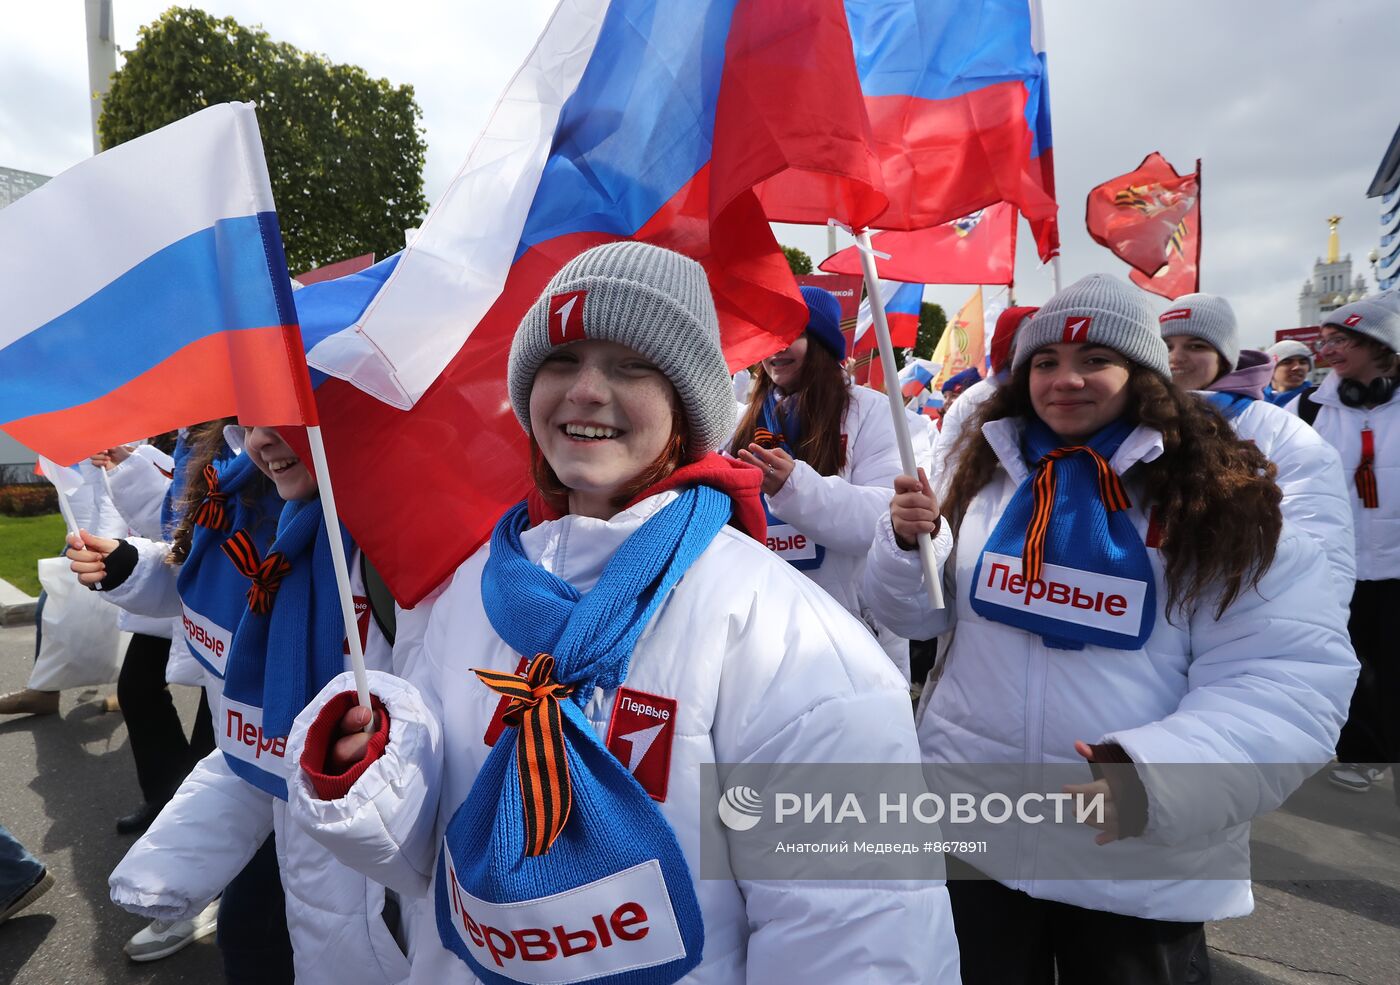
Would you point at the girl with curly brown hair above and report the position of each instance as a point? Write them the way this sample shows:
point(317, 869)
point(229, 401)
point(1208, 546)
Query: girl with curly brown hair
point(1125, 592)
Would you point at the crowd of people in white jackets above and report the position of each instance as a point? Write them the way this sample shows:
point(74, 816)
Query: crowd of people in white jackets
point(1154, 547)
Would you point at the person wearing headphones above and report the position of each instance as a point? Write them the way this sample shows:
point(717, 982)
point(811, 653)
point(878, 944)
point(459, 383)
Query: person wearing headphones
point(1355, 410)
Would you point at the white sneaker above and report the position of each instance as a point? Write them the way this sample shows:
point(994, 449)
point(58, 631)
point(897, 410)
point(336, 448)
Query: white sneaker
point(1350, 776)
point(162, 939)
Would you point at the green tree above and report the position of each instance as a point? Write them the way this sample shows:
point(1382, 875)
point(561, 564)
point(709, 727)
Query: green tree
point(932, 321)
point(345, 151)
point(798, 260)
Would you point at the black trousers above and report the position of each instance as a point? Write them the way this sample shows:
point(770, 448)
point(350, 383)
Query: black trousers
point(1371, 734)
point(163, 755)
point(1008, 938)
point(252, 932)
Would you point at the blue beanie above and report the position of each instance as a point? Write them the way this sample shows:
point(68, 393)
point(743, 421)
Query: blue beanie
point(824, 320)
point(963, 380)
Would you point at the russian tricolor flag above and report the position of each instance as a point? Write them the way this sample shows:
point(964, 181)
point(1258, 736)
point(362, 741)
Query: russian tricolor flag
point(146, 289)
point(685, 123)
point(656, 120)
point(902, 304)
point(959, 109)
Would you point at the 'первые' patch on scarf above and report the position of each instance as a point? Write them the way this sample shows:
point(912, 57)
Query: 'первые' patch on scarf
point(290, 642)
point(1065, 560)
point(213, 593)
point(780, 427)
point(555, 831)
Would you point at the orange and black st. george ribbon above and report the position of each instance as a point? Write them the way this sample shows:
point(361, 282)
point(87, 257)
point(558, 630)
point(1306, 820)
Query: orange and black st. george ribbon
point(212, 512)
point(540, 756)
point(1366, 486)
point(767, 439)
point(1111, 491)
point(266, 574)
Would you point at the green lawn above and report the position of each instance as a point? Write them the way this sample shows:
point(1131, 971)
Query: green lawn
point(23, 540)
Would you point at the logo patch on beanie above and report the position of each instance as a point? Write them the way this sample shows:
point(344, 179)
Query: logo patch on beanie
point(1176, 314)
point(566, 317)
point(639, 735)
point(1352, 319)
point(1077, 328)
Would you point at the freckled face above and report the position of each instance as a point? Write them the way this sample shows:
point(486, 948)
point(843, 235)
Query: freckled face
point(601, 413)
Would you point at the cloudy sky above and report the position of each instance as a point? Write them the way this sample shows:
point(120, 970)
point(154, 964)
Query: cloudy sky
point(1290, 104)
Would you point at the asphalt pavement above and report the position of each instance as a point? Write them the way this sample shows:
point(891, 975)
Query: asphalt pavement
point(65, 778)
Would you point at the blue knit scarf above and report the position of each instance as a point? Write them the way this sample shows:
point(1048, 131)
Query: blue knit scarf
point(1232, 405)
point(290, 642)
point(1065, 560)
point(598, 824)
point(779, 428)
point(212, 591)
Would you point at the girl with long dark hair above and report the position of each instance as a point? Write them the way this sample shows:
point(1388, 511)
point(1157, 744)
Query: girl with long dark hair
point(829, 456)
point(1126, 594)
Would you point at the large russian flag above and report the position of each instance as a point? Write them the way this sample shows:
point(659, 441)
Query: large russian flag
point(644, 119)
point(146, 289)
point(956, 95)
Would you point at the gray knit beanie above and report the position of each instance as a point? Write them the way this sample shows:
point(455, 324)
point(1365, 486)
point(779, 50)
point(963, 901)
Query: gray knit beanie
point(1102, 310)
point(1206, 317)
point(1376, 317)
point(644, 297)
point(1290, 348)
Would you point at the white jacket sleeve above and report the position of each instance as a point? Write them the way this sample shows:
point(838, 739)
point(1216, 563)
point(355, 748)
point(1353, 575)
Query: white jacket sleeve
point(769, 712)
point(202, 839)
point(150, 588)
point(138, 489)
point(1269, 683)
point(841, 513)
point(1316, 498)
point(384, 826)
point(893, 584)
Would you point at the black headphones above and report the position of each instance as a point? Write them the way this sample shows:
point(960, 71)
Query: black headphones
point(1354, 393)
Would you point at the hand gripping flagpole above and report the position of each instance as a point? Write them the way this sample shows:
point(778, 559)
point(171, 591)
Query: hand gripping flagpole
point(932, 582)
point(342, 567)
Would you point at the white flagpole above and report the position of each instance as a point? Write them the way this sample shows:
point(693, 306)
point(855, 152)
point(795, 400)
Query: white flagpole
point(67, 512)
point(54, 472)
point(901, 423)
point(342, 567)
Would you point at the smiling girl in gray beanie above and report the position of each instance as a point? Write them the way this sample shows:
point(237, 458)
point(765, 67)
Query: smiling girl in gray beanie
point(539, 773)
point(1089, 474)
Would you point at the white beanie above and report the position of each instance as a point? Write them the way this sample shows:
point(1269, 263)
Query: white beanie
point(1289, 349)
point(1206, 317)
point(1101, 310)
point(1376, 317)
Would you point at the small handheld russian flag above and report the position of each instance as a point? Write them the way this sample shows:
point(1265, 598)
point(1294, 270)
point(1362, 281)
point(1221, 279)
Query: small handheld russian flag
point(146, 289)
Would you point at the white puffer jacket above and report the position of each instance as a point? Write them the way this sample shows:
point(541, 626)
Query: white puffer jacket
point(1310, 476)
point(762, 666)
point(139, 484)
point(1267, 682)
point(217, 821)
point(137, 488)
point(840, 511)
point(954, 421)
point(1377, 531)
